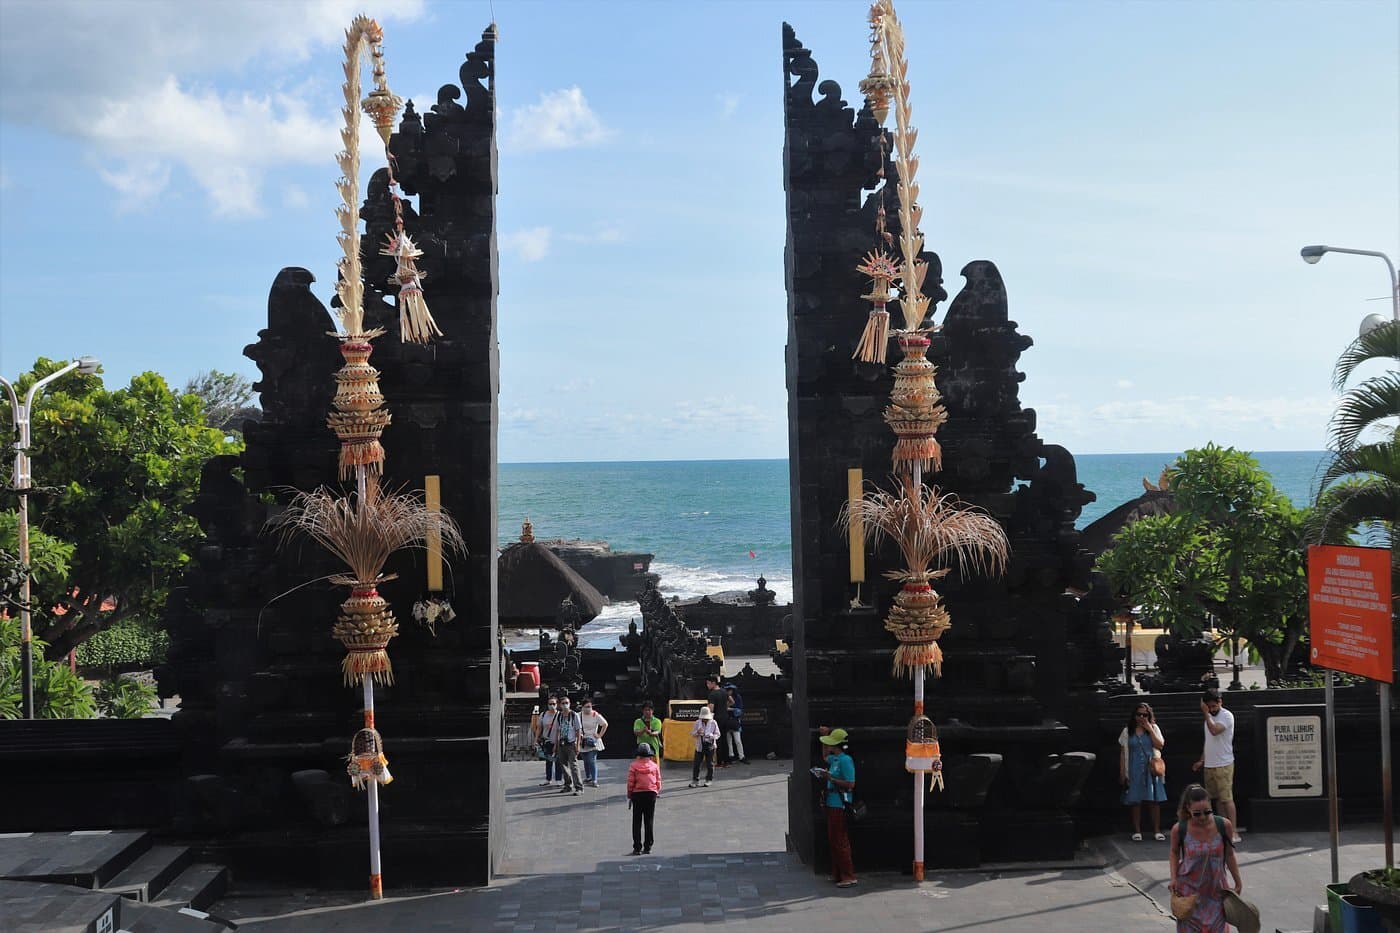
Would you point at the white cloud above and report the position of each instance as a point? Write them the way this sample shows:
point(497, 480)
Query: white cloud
point(602, 235)
point(530, 245)
point(1225, 419)
point(1125, 383)
point(138, 184)
point(294, 197)
point(144, 83)
point(561, 120)
point(728, 104)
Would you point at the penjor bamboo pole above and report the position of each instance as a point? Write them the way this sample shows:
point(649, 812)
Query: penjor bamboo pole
point(918, 775)
point(376, 878)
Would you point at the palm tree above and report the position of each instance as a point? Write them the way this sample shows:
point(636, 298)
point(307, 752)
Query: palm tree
point(1360, 488)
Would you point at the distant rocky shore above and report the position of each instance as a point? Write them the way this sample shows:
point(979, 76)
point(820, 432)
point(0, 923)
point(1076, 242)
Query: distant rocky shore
point(618, 575)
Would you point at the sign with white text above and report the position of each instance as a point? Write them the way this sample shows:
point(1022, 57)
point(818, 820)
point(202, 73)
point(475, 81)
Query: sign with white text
point(1349, 610)
point(1293, 752)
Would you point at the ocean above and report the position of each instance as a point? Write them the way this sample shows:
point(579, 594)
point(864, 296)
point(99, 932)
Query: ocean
point(719, 524)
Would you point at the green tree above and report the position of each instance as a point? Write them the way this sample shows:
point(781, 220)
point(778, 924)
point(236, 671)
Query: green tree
point(1233, 550)
point(227, 400)
point(114, 473)
point(1360, 489)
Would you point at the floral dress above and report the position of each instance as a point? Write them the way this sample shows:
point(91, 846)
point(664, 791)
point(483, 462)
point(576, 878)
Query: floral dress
point(1143, 785)
point(1202, 872)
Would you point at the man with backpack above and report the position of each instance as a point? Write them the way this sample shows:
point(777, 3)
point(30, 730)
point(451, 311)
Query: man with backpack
point(567, 733)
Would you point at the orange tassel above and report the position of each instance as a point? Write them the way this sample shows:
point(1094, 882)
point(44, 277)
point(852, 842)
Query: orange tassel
point(909, 657)
point(372, 661)
point(924, 451)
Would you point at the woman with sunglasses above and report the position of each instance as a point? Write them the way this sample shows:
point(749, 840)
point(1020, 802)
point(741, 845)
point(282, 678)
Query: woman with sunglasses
point(1201, 853)
point(1138, 744)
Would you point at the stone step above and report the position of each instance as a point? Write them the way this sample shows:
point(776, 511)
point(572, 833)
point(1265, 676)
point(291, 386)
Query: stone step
point(147, 918)
point(82, 859)
point(197, 886)
point(56, 908)
point(146, 877)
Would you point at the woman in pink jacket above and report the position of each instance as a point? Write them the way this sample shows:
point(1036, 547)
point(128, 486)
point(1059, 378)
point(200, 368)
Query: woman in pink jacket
point(643, 787)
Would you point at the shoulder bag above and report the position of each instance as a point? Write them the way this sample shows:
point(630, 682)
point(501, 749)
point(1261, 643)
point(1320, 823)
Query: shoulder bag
point(1183, 905)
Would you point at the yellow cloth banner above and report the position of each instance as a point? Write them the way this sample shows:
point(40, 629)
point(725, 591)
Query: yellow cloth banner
point(677, 742)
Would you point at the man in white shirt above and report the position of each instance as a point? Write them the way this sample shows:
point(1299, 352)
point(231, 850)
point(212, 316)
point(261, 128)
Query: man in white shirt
point(1218, 755)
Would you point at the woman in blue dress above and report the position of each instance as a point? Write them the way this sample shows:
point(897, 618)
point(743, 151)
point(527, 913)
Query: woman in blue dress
point(1139, 743)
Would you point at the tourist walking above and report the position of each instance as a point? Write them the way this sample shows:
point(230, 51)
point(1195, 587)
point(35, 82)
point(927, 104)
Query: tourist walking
point(1201, 854)
point(733, 731)
point(718, 699)
point(544, 739)
point(647, 728)
point(567, 733)
point(840, 777)
point(1218, 755)
point(1141, 770)
point(593, 725)
point(706, 734)
point(643, 787)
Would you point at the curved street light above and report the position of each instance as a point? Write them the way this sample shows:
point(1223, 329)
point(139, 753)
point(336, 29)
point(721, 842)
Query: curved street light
point(22, 482)
point(1311, 254)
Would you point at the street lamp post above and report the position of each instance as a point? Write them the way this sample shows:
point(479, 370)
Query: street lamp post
point(23, 482)
point(1311, 254)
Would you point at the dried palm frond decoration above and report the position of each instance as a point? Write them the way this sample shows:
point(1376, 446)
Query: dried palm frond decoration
point(362, 531)
point(876, 336)
point(931, 530)
point(363, 528)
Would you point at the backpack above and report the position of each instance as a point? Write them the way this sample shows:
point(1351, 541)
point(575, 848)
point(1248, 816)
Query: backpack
point(1219, 828)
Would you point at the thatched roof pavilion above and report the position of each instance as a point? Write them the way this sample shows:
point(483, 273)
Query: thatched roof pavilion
point(532, 582)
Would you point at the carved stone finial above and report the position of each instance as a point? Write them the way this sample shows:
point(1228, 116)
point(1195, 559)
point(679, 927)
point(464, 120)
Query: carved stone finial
point(527, 532)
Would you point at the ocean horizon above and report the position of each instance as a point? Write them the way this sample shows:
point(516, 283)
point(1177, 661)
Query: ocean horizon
point(716, 525)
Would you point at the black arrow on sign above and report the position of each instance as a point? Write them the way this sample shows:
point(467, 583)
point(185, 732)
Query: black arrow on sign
point(1295, 786)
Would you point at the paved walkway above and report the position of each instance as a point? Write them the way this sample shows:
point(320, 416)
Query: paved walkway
point(720, 858)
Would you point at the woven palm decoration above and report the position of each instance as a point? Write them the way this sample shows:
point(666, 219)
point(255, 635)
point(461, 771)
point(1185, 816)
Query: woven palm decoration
point(929, 528)
point(366, 761)
point(921, 752)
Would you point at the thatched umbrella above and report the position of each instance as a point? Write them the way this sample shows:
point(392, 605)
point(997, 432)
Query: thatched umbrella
point(532, 582)
point(1098, 535)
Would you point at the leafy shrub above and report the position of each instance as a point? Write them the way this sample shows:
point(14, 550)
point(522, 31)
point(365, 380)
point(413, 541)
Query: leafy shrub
point(61, 694)
point(125, 698)
point(130, 645)
point(58, 692)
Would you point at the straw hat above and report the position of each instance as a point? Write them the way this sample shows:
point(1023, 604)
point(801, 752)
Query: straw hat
point(705, 713)
point(1240, 912)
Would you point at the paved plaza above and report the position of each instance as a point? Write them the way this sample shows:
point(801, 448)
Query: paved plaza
point(720, 858)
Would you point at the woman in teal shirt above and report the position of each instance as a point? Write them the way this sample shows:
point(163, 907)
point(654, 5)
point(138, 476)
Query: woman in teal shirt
point(840, 775)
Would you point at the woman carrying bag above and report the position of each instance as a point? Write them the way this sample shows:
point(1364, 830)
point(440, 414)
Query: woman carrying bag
point(1201, 854)
point(1142, 770)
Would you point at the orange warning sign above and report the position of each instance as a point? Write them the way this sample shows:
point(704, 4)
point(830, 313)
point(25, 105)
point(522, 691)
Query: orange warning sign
point(1349, 608)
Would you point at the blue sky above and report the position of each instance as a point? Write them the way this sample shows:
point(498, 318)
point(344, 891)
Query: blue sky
point(1142, 173)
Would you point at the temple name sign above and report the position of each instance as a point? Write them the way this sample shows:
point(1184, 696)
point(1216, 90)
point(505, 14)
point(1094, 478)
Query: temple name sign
point(1349, 610)
point(1293, 752)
